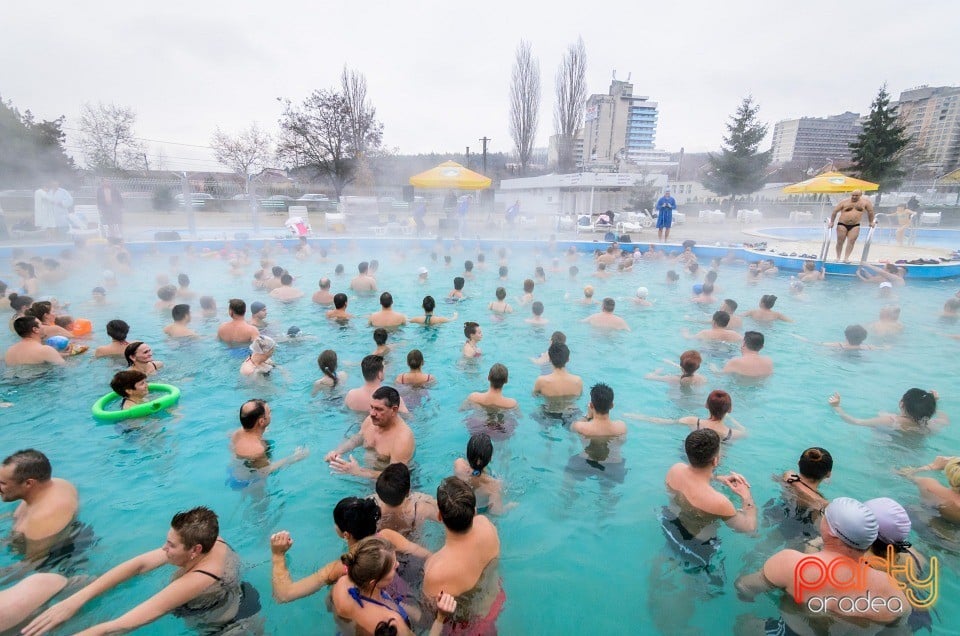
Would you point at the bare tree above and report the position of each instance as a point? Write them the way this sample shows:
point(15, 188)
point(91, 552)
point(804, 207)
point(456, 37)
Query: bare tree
point(571, 96)
point(524, 103)
point(366, 133)
point(245, 153)
point(317, 135)
point(107, 138)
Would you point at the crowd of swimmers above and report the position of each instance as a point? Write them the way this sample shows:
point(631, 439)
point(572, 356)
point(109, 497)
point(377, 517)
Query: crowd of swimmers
point(386, 582)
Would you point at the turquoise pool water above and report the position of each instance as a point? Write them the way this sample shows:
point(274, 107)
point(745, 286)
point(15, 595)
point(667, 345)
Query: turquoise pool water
point(577, 556)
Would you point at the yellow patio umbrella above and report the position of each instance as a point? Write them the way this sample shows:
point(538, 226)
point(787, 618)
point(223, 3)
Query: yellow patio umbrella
point(829, 183)
point(452, 175)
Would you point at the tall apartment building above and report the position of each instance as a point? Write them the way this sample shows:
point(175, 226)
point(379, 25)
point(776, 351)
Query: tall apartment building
point(815, 140)
point(619, 128)
point(932, 117)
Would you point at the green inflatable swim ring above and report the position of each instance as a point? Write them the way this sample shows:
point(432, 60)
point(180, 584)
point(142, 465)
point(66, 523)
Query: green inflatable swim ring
point(171, 395)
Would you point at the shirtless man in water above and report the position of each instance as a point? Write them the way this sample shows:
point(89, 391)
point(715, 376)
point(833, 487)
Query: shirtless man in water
point(237, 330)
point(384, 435)
point(247, 442)
point(848, 225)
point(465, 566)
point(30, 349)
point(48, 508)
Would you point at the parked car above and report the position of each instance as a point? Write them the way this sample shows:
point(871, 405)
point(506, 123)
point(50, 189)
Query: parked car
point(197, 199)
point(315, 202)
point(276, 203)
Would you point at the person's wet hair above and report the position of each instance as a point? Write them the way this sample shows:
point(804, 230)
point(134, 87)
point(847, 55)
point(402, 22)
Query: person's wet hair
point(380, 336)
point(690, 362)
point(468, 266)
point(855, 334)
point(429, 304)
point(250, 412)
point(707, 289)
point(370, 367)
point(731, 303)
point(470, 328)
point(815, 463)
point(40, 309)
point(393, 484)
point(179, 312)
point(125, 381)
point(357, 516)
point(183, 280)
point(919, 405)
point(672, 276)
point(559, 354)
point(458, 283)
point(363, 267)
point(609, 304)
point(198, 526)
point(753, 340)
point(29, 464)
point(537, 308)
point(166, 293)
point(721, 319)
point(415, 359)
point(528, 285)
point(457, 504)
point(498, 376)
point(327, 361)
point(702, 446)
point(479, 452)
point(131, 351)
point(277, 271)
point(237, 307)
point(286, 279)
point(502, 271)
point(207, 302)
point(339, 300)
point(767, 301)
point(501, 293)
point(338, 269)
point(388, 394)
point(601, 396)
point(719, 404)
point(369, 561)
point(558, 337)
point(118, 330)
point(386, 300)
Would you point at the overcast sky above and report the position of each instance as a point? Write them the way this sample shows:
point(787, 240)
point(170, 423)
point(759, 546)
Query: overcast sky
point(439, 72)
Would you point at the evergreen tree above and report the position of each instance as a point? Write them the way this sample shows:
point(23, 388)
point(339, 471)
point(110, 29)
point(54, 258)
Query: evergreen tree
point(31, 151)
point(878, 150)
point(739, 168)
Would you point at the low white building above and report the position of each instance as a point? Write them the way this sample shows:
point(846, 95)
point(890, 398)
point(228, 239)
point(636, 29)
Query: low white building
point(577, 193)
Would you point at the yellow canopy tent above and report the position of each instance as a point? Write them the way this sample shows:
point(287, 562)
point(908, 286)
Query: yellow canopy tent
point(830, 183)
point(450, 175)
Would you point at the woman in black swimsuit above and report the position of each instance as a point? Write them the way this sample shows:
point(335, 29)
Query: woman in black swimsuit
point(719, 404)
point(205, 589)
point(139, 357)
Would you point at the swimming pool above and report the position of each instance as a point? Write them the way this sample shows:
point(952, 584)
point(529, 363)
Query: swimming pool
point(577, 556)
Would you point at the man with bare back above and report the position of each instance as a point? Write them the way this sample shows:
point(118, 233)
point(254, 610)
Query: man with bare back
point(848, 225)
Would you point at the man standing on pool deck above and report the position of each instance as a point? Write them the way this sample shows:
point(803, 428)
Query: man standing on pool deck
point(467, 561)
point(665, 207)
point(237, 330)
point(384, 435)
point(848, 225)
point(848, 528)
point(30, 349)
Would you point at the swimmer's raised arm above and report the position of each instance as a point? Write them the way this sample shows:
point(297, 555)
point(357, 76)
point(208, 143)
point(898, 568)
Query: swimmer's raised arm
point(880, 420)
point(404, 545)
point(299, 453)
point(650, 418)
point(285, 589)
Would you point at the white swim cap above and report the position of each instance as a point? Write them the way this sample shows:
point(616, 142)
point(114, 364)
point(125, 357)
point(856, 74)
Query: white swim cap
point(893, 520)
point(422, 271)
point(852, 522)
point(886, 283)
point(642, 292)
point(263, 344)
